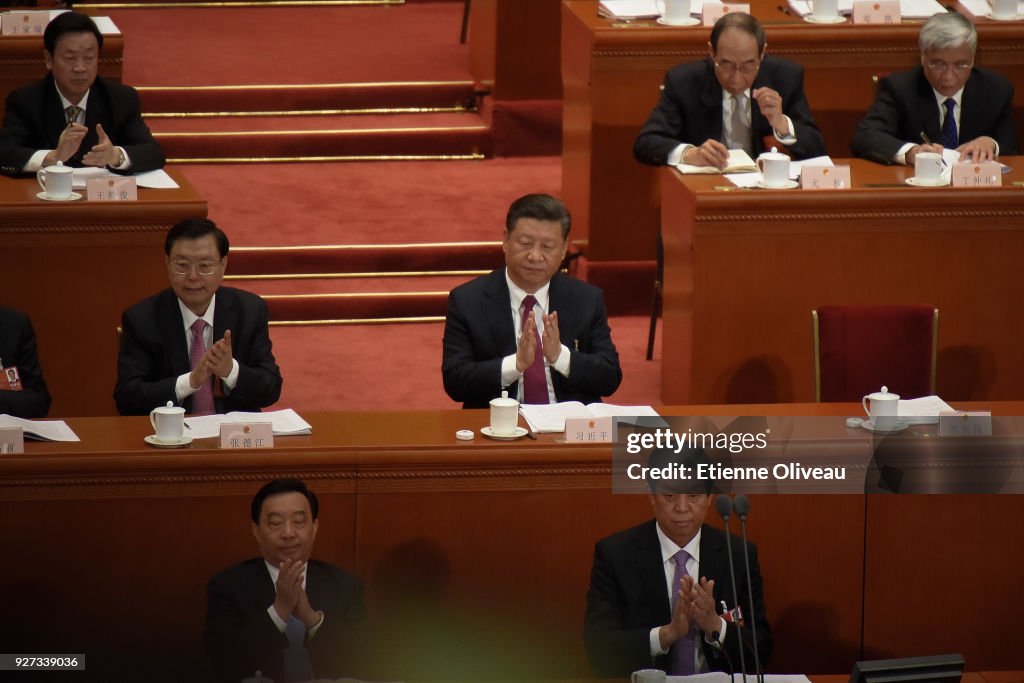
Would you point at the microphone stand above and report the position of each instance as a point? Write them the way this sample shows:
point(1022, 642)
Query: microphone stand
point(724, 507)
point(742, 506)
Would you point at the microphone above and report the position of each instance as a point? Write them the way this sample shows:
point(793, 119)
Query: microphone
point(724, 507)
point(741, 505)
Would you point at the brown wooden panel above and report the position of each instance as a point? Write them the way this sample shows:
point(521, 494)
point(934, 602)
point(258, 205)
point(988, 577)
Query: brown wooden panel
point(925, 554)
point(612, 73)
point(21, 61)
point(514, 48)
point(744, 270)
point(73, 268)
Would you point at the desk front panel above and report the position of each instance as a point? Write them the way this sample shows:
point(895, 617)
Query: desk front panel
point(744, 269)
point(480, 543)
point(612, 73)
point(73, 268)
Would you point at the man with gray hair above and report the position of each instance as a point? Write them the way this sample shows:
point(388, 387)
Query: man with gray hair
point(946, 103)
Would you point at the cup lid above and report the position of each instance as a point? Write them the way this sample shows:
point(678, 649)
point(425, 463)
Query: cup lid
point(883, 395)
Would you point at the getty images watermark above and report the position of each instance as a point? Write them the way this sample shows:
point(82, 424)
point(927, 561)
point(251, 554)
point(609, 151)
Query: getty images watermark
point(769, 454)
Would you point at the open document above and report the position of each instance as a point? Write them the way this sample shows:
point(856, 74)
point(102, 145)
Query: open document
point(40, 430)
point(551, 417)
point(739, 162)
point(285, 423)
point(921, 411)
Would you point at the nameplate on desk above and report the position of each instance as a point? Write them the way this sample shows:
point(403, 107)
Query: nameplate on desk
point(12, 440)
point(825, 178)
point(713, 11)
point(24, 23)
point(119, 189)
point(247, 435)
point(876, 12)
point(980, 174)
point(588, 430)
point(965, 423)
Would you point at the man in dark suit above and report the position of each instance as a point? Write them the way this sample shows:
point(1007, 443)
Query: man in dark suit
point(656, 589)
point(947, 102)
point(732, 100)
point(526, 328)
point(71, 115)
point(197, 344)
point(23, 392)
point(287, 616)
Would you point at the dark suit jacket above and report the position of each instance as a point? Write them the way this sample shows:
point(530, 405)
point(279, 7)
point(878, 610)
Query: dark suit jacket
point(34, 120)
point(18, 348)
point(241, 639)
point(628, 597)
point(154, 352)
point(690, 111)
point(906, 106)
point(479, 332)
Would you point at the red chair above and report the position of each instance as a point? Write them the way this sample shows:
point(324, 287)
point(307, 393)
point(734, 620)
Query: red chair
point(858, 349)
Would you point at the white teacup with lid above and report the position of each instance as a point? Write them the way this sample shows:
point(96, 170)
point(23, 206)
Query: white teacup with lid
point(883, 408)
point(504, 415)
point(168, 422)
point(56, 181)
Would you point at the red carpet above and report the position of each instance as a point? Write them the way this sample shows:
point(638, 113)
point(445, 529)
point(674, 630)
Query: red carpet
point(213, 46)
point(377, 367)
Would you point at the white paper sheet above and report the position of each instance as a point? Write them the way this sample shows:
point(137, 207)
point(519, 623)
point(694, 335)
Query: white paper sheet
point(550, 418)
point(154, 180)
point(921, 411)
point(909, 9)
point(41, 430)
point(286, 423)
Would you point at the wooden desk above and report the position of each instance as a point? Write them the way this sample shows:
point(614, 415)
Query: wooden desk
point(465, 547)
point(21, 60)
point(74, 267)
point(744, 269)
point(612, 72)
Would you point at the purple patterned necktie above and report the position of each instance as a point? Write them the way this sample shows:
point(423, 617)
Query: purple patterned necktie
point(950, 139)
point(682, 652)
point(535, 381)
point(202, 399)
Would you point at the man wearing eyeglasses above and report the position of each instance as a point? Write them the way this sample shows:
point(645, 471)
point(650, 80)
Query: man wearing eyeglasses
point(947, 102)
point(197, 344)
point(733, 100)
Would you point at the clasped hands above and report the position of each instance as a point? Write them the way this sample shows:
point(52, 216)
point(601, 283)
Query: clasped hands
point(714, 153)
point(217, 361)
point(979, 149)
point(696, 605)
point(291, 596)
point(552, 343)
point(103, 153)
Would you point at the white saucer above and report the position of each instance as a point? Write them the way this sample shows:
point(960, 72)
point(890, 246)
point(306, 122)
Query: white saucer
point(1016, 17)
point(820, 20)
point(920, 183)
point(790, 184)
point(180, 443)
point(45, 197)
point(518, 434)
point(869, 425)
point(690, 21)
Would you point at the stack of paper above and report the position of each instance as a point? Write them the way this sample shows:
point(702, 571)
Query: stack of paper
point(286, 423)
point(628, 9)
point(40, 430)
point(739, 162)
point(157, 180)
point(551, 417)
point(921, 411)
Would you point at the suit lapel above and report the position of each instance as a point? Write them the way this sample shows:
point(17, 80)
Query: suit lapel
point(970, 114)
point(711, 99)
point(651, 570)
point(558, 300)
point(261, 585)
point(172, 329)
point(714, 563)
point(497, 311)
point(54, 118)
point(929, 108)
point(225, 315)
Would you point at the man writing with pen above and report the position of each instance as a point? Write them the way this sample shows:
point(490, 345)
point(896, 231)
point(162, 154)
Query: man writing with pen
point(72, 115)
point(946, 103)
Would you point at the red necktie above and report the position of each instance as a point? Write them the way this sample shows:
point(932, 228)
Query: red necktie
point(202, 399)
point(535, 381)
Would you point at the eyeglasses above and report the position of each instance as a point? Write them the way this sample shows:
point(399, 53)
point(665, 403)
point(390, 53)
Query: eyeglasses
point(940, 67)
point(746, 68)
point(204, 268)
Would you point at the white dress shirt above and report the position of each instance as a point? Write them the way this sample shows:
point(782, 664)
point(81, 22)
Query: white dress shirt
point(509, 374)
point(940, 102)
point(182, 387)
point(280, 623)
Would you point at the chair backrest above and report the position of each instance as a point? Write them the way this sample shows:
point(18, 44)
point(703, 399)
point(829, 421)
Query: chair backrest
point(857, 349)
